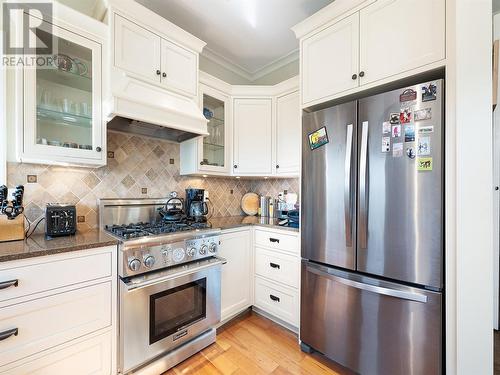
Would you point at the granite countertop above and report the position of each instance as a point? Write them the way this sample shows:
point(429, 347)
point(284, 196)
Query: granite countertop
point(37, 245)
point(230, 222)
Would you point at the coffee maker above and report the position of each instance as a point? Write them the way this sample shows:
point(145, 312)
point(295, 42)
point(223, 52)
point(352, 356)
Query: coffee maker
point(196, 207)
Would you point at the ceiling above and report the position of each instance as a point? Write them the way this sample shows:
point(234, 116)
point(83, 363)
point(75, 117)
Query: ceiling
point(250, 37)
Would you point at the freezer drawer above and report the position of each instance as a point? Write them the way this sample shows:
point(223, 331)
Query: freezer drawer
point(371, 326)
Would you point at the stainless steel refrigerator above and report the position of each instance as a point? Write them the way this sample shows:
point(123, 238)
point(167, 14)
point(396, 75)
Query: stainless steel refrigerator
point(372, 232)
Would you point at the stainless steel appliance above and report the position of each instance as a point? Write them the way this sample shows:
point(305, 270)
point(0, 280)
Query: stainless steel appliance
point(169, 283)
point(372, 232)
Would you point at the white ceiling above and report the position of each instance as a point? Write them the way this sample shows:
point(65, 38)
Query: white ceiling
point(249, 37)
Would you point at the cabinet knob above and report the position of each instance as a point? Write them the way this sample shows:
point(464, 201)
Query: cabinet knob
point(361, 74)
point(354, 76)
point(158, 72)
point(98, 149)
point(164, 75)
point(235, 166)
point(277, 166)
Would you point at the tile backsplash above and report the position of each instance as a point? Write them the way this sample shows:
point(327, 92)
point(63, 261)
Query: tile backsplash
point(137, 167)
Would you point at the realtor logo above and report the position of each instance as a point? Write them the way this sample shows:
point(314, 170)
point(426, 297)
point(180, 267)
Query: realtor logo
point(22, 32)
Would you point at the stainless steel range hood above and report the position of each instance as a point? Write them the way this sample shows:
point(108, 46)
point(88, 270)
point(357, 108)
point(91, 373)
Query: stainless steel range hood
point(141, 108)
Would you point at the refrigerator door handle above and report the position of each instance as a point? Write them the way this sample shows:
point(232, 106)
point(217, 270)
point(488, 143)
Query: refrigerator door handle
point(363, 193)
point(401, 294)
point(347, 188)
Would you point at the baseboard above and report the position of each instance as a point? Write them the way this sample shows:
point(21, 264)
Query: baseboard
point(276, 320)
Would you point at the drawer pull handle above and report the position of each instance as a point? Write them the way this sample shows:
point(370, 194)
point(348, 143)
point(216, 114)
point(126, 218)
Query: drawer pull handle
point(8, 284)
point(6, 334)
point(274, 265)
point(274, 298)
point(274, 240)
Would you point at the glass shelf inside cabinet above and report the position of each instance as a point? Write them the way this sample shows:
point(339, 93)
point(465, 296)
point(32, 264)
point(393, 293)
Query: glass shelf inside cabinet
point(214, 143)
point(64, 96)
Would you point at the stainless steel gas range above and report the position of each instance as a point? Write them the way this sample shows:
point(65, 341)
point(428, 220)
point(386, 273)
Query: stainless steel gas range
point(169, 283)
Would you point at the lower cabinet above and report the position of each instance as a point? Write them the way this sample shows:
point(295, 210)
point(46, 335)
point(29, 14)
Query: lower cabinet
point(236, 283)
point(88, 357)
point(277, 300)
point(62, 324)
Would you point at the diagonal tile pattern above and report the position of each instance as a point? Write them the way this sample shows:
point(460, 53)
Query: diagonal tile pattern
point(138, 163)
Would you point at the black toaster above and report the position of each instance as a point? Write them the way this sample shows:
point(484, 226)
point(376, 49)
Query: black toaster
point(60, 220)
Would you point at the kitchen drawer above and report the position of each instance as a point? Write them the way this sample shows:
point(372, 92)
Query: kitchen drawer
point(49, 273)
point(278, 241)
point(89, 357)
point(46, 322)
point(277, 300)
point(278, 267)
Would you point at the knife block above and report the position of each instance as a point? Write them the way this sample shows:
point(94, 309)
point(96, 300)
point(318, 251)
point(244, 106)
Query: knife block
point(11, 230)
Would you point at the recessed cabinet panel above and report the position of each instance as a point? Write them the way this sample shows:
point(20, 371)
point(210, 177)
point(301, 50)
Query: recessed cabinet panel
point(179, 68)
point(288, 134)
point(137, 50)
point(330, 60)
point(62, 102)
point(252, 136)
point(390, 45)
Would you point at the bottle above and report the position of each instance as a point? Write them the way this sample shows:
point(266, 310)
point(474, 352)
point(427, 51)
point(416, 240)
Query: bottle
point(271, 207)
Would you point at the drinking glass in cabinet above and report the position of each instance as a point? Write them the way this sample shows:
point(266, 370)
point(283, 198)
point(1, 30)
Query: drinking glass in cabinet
point(64, 96)
point(214, 143)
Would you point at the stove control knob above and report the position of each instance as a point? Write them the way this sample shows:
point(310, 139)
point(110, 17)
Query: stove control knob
point(191, 252)
point(134, 264)
point(149, 261)
point(203, 249)
point(213, 247)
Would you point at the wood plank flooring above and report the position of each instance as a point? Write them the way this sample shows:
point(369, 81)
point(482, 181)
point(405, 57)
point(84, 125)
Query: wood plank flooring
point(497, 352)
point(254, 345)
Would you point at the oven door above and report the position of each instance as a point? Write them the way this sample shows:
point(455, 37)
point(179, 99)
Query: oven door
point(163, 310)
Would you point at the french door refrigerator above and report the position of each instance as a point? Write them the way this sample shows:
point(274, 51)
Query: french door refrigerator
point(372, 232)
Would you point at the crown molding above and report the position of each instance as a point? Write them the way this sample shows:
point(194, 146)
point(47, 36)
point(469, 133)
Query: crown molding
point(245, 73)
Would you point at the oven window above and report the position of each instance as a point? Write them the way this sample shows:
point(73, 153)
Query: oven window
point(176, 308)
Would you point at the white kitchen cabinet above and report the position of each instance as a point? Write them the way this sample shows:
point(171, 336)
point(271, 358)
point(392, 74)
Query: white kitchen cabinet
point(210, 154)
point(60, 116)
point(179, 68)
point(66, 322)
point(330, 60)
point(253, 136)
point(136, 49)
point(146, 55)
point(356, 45)
point(236, 282)
point(389, 45)
point(288, 134)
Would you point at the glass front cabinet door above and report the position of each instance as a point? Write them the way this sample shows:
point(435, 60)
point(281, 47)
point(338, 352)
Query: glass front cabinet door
point(210, 155)
point(62, 102)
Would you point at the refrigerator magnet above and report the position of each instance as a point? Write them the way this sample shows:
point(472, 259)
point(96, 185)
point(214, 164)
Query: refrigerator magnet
point(409, 133)
point(424, 146)
point(386, 144)
point(426, 129)
point(422, 114)
point(405, 116)
point(408, 95)
point(318, 138)
point(397, 150)
point(396, 131)
point(394, 118)
point(410, 152)
point(429, 92)
point(386, 127)
point(424, 164)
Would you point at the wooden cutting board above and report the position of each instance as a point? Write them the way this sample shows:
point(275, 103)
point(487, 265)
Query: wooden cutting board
point(250, 204)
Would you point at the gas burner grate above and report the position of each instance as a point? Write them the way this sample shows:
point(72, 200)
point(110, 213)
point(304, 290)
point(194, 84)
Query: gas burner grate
point(137, 230)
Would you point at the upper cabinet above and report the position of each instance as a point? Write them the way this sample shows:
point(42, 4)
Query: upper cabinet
point(288, 134)
point(253, 136)
point(137, 50)
point(146, 55)
point(61, 115)
point(368, 43)
point(330, 60)
point(389, 45)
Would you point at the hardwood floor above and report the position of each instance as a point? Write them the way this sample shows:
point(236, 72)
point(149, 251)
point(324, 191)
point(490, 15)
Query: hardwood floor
point(252, 345)
point(497, 352)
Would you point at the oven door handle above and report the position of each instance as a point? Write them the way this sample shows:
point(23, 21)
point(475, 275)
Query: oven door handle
point(131, 286)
